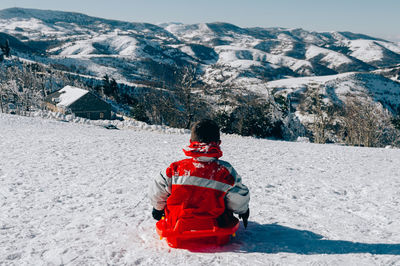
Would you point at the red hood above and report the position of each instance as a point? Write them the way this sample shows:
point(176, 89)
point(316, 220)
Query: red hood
point(198, 149)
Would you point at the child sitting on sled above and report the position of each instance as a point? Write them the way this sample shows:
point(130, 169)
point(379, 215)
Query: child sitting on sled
point(201, 186)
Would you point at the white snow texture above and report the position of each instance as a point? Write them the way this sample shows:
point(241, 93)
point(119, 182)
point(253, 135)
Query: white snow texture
point(76, 194)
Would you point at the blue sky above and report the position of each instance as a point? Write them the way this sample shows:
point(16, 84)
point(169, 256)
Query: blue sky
point(379, 18)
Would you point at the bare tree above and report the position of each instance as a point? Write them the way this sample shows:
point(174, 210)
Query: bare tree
point(186, 92)
point(367, 124)
point(322, 113)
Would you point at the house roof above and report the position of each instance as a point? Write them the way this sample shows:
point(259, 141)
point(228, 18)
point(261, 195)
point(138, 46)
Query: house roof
point(68, 95)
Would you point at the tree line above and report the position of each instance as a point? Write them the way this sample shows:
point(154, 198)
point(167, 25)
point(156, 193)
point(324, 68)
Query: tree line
point(23, 86)
point(358, 121)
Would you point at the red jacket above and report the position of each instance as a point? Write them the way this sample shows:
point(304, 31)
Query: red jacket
point(199, 187)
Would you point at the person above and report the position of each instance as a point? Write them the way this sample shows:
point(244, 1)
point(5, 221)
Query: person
point(201, 186)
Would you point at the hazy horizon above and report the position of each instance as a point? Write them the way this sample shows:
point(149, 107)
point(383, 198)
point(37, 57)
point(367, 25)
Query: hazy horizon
point(377, 19)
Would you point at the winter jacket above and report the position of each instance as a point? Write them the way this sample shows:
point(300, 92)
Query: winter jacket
point(201, 186)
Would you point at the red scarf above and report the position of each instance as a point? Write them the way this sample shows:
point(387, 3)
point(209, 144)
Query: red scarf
point(198, 149)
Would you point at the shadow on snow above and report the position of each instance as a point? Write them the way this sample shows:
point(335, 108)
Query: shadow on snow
point(275, 238)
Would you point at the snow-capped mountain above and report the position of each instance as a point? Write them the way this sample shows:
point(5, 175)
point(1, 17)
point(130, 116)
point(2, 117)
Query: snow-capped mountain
point(269, 53)
point(251, 61)
point(331, 50)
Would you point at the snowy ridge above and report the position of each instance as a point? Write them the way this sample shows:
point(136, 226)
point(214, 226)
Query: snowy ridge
point(366, 51)
point(76, 194)
point(233, 56)
point(259, 62)
point(332, 58)
point(371, 87)
point(119, 46)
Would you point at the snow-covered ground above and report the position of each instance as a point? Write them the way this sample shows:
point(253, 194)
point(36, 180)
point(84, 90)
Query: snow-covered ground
point(76, 194)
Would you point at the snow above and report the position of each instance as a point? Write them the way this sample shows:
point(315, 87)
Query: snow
point(95, 47)
point(366, 50)
point(370, 87)
point(390, 46)
point(186, 32)
point(232, 55)
point(187, 50)
point(285, 37)
point(332, 58)
point(338, 36)
point(78, 48)
point(30, 26)
point(75, 194)
point(127, 123)
point(124, 45)
point(69, 95)
point(303, 81)
point(118, 45)
point(97, 71)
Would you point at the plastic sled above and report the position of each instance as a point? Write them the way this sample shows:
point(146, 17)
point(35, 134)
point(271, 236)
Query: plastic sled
point(188, 233)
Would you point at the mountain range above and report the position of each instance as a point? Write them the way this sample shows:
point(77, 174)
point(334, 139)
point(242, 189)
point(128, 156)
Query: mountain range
point(252, 60)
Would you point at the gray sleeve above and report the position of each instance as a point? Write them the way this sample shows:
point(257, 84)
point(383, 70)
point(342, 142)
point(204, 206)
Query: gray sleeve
point(238, 197)
point(160, 191)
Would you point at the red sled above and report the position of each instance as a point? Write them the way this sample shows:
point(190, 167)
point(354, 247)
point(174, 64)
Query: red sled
point(189, 233)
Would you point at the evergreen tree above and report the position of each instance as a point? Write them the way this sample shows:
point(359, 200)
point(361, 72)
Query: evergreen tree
point(224, 120)
point(138, 112)
point(7, 49)
point(110, 86)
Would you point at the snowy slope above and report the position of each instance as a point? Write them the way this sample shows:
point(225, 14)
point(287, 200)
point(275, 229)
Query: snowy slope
point(332, 58)
point(374, 53)
point(372, 87)
point(76, 195)
point(146, 56)
point(100, 46)
point(234, 56)
point(42, 24)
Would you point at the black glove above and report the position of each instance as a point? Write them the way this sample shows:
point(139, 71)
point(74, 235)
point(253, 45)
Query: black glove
point(157, 215)
point(245, 217)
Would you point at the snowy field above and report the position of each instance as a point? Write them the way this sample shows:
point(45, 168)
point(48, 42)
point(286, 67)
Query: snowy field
point(73, 194)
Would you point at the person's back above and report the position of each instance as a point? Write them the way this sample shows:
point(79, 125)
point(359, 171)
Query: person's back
point(201, 186)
